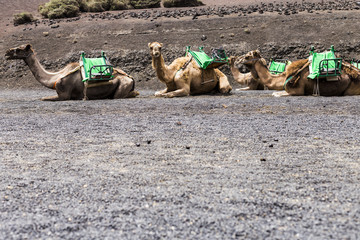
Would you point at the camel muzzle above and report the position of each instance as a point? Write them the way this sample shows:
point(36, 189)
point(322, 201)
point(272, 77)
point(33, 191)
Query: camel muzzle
point(8, 55)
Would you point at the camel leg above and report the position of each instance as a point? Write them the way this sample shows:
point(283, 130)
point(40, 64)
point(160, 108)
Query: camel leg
point(124, 89)
point(224, 85)
point(161, 92)
point(280, 94)
point(51, 98)
point(176, 93)
point(182, 83)
point(243, 89)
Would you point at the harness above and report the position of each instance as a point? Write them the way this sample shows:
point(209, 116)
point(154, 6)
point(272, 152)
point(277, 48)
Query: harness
point(295, 74)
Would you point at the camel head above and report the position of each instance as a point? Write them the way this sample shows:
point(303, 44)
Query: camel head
point(251, 58)
point(20, 52)
point(155, 49)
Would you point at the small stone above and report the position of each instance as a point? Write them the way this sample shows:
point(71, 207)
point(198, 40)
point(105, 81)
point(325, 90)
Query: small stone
point(247, 30)
point(263, 159)
point(45, 34)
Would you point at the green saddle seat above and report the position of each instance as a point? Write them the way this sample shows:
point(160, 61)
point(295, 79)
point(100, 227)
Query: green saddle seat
point(217, 59)
point(97, 69)
point(356, 63)
point(324, 64)
point(278, 66)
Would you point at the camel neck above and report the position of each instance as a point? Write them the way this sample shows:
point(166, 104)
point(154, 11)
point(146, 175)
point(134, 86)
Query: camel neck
point(46, 78)
point(161, 69)
point(273, 82)
point(235, 72)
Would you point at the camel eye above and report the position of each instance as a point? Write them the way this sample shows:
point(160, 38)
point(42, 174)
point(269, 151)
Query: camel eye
point(151, 48)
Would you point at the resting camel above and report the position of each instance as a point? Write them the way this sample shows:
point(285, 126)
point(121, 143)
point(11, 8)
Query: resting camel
point(244, 78)
point(348, 82)
point(68, 81)
point(184, 77)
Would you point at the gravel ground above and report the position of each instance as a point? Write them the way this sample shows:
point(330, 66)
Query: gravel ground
point(244, 166)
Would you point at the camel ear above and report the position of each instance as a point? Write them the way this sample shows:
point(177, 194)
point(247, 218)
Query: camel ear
point(28, 47)
point(161, 44)
point(257, 53)
point(149, 44)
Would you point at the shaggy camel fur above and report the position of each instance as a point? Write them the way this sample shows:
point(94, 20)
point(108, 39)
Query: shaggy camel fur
point(347, 84)
point(244, 78)
point(68, 81)
point(184, 77)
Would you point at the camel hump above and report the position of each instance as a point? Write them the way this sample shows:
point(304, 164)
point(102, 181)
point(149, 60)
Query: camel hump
point(295, 66)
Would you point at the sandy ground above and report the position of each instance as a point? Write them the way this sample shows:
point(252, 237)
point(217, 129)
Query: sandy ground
point(244, 166)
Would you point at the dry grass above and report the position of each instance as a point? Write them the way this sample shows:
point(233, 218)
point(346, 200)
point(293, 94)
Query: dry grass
point(72, 8)
point(182, 3)
point(23, 18)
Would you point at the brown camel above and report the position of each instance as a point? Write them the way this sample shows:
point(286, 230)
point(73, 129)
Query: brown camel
point(244, 78)
point(184, 77)
point(348, 83)
point(68, 81)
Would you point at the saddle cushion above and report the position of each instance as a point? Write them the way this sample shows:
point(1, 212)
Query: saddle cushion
point(277, 67)
point(204, 61)
point(315, 60)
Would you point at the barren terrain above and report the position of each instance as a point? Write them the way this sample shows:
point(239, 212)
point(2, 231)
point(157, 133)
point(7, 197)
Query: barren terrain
point(239, 166)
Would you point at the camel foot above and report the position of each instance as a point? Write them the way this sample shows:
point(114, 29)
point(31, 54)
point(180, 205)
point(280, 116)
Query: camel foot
point(226, 89)
point(158, 94)
point(243, 89)
point(280, 94)
point(51, 98)
point(133, 94)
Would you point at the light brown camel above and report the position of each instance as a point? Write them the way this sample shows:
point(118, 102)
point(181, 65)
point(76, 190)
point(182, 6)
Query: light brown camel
point(348, 83)
point(68, 81)
point(184, 77)
point(260, 72)
point(244, 78)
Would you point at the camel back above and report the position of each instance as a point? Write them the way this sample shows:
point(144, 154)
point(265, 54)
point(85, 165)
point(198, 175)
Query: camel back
point(204, 61)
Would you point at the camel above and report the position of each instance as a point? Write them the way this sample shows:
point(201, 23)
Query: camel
point(183, 77)
point(295, 82)
point(244, 78)
point(68, 81)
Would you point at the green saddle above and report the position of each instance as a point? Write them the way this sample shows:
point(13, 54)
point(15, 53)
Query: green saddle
point(217, 59)
point(96, 68)
point(324, 64)
point(278, 66)
point(355, 63)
